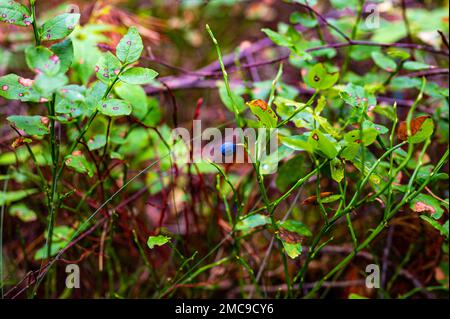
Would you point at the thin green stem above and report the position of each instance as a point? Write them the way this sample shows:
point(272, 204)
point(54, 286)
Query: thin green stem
point(225, 77)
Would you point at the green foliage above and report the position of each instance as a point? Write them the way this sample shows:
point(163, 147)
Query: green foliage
point(266, 116)
point(130, 47)
point(296, 227)
point(32, 125)
point(320, 79)
point(58, 27)
point(22, 212)
point(362, 139)
point(159, 240)
point(42, 60)
point(323, 144)
point(15, 13)
point(80, 164)
point(114, 107)
point(108, 67)
point(14, 196)
point(14, 87)
point(138, 76)
point(252, 221)
point(384, 62)
point(60, 239)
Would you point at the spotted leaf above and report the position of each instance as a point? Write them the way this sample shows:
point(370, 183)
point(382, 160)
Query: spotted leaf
point(14, 87)
point(130, 47)
point(114, 107)
point(264, 113)
point(108, 67)
point(64, 50)
point(323, 144)
point(15, 13)
point(138, 75)
point(292, 242)
point(42, 60)
point(320, 79)
point(59, 27)
point(32, 125)
point(79, 163)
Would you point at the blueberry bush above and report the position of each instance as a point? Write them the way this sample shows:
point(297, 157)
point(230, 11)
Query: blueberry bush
point(352, 204)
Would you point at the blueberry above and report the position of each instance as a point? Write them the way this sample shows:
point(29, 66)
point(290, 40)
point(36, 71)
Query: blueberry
point(227, 148)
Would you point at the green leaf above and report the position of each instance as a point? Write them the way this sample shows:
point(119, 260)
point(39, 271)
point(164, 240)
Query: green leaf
point(14, 196)
point(22, 212)
point(138, 76)
point(79, 163)
point(130, 47)
point(114, 107)
point(321, 143)
point(350, 151)
point(277, 38)
point(297, 142)
point(356, 95)
point(369, 135)
point(264, 113)
point(443, 229)
point(252, 221)
point(159, 240)
point(415, 66)
point(384, 61)
point(95, 94)
point(32, 125)
point(46, 85)
point(319, 78)
point(296, 226)
point(330, 199)
point(14, 87)
point(135, 95)
point(398, 54)
point(108, 67)
point(337, 170)
point(303, 19)
point(380, 128)
point(70, 100)
point(15, 13)
point(292, 170)
point(59, 27)
point(97, 142)
point(236, 94)
point(292, 250)
point(42, 60)
point(291, 39)
point(60, 238)
point(64, 50)
point(425, 131)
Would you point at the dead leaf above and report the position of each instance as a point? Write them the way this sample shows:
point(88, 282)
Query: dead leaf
point(290, 237)
point(313, 199)
point(422, 207)
point(416, 124)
